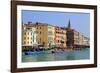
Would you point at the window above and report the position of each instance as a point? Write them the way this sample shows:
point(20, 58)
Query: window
point(27, 37)
point(40, 32)
point(62, 38)
point(31, 42)
point(50, 33)
point(24, 33)
point(28, 33)
point(31, 33)
point(40, 39)
point(24, 38)
point(24, 42)
point(33, 38)
point(50, 27)
point(58, 41)
point(50, 38)
point(36, 32)
point(28, 28)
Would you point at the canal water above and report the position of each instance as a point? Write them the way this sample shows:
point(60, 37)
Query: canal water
point(69, 55)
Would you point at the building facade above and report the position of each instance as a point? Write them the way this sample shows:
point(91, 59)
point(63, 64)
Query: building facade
point(60, 37)
point(29, 37)
point(51, 36)
point(45, 33)
point(76, 39)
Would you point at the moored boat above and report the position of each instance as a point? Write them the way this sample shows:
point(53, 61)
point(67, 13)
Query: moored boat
point(33, 53)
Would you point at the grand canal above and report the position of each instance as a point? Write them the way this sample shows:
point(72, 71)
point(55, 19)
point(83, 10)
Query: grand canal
point(68, 55)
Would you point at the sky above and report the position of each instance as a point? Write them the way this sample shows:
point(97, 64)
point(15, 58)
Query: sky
point(79, 21)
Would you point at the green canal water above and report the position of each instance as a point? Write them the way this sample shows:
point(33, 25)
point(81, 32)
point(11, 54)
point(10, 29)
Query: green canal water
point(69, 55)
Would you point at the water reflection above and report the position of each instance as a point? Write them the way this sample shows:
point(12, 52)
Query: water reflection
point(69, 55)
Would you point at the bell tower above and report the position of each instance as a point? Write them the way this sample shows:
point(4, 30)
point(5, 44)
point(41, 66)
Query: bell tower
point(69, 25)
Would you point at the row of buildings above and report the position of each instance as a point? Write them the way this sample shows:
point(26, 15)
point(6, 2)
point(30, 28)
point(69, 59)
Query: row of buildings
point(46, 35)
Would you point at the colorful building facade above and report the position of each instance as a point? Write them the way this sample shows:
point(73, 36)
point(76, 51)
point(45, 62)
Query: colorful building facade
point(76, 39)
point(45, 33)
point(29, 37)
point(51, 36)
point(60, 37)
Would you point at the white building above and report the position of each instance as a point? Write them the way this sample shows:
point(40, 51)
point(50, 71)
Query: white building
point(29, 37)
